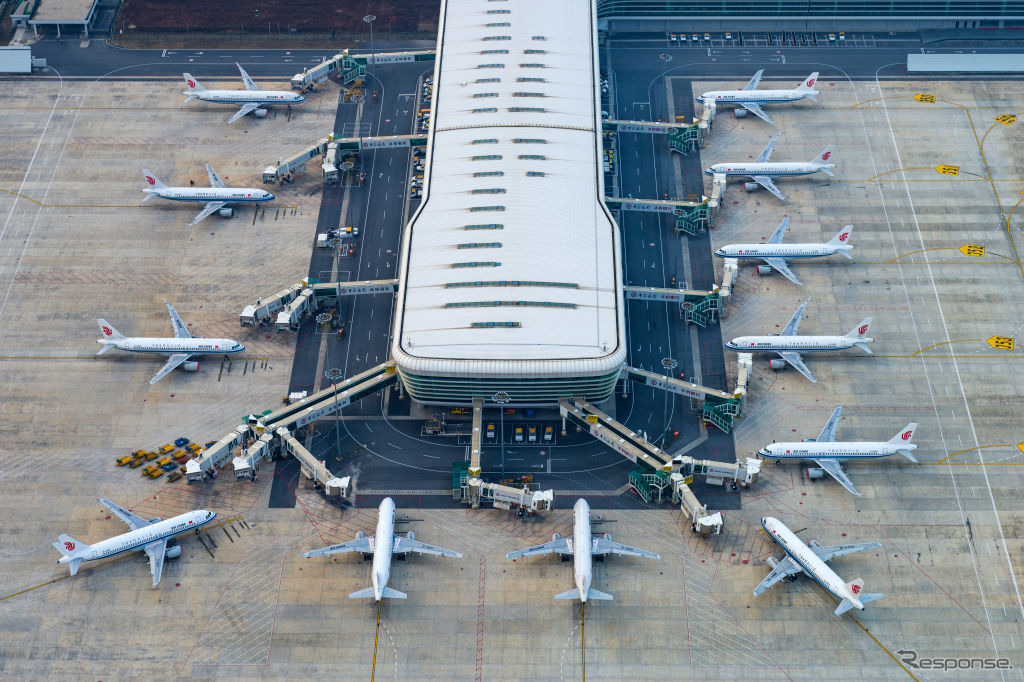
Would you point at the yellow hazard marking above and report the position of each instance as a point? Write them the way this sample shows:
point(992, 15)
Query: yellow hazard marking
point(972, 250)
point(373, 667)
point(925, 99)
point(949, 457)
point(1001, 342)
point(944, 343)
point(1006, 119)
point(593, 419)
point(1020, 446)
point(688, 480)
point(948, 170)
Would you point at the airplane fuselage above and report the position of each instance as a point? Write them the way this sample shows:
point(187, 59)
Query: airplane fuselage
point(249, 96)
point(383, 547)
point(174, 346)
point(805, 557)
point(800, 344)
point(767, 169)
point(838, 451)
point(755, 96)
point(582, 546)
point(136, 540)
point(231, 195)
point(785, 251)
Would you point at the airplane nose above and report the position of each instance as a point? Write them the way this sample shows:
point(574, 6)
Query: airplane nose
point(270, 197)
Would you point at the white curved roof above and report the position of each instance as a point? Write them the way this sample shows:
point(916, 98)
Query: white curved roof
point(512, 231)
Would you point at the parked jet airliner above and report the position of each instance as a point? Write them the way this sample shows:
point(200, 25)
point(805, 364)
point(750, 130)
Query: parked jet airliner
point(251, 99)
point(583, 547)
point(750, 98)
point(810, 560)
point(382, 545)
point(789, 345)
point(762, 172)
point(827, 453)
point(148, 536)
point(180, 348)
point(775, 253)
point(216, 197)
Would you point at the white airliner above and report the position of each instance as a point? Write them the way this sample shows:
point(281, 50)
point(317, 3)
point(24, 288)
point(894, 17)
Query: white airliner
point(382, 545)
point(775, 253)
point(762, 172)
point(789, 345)
point(180, 348)
point(216, 196)
point(148, 536)
point(583, 547)
point(251, 98)
point(810, 560)
point(827, 453)
point(750, 98)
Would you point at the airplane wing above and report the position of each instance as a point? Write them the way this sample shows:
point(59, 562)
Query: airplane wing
point(828, 434)
point(794, 359)
point(172, 362)
point(249, 85)
point(835, 470)
point(794, 322)
point(245, 109)
point(766, 153)
point(767, 183)
point(782, 268)
point(559, 546)
point(783, 569)
point(215, 180)
point(829, 553)
point(180, 330)
point(364, 545)
point(406, 545)
point(603, 546)
point(779, 232)
point(752, 85)
point(156, 552)
point(134, 521)
point(209, 209)
point(756, 110)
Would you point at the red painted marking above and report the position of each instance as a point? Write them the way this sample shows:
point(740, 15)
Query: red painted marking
point(855, 589)
point(107, 331)
point(150, 179)
point(810, 82)
point(906, 435)
point(69, 546)
point(863, 329)
point(191, 83)
point(844, 236)
point(824, 157)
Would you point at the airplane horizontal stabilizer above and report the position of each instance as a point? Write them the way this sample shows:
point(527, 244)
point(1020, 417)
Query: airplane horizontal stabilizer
point(393, 594)
point(571, 594)
point(910, 457)
point(864, 347)
point(843, 607)
point(872, 596)
point(363, 594)
point(598, 594)
point(827, 171)
point(105, 348)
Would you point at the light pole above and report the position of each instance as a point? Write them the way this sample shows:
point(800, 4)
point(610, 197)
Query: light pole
point(369, 18)
point(500, 399)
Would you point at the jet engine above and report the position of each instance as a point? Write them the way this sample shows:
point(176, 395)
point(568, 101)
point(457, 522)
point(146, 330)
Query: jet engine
point(751, 186)
point(360, 535)
point(814, 473)
point(226, 212)
point(764, 270)
point(190, 366)
point(741, 112)
point(260, 113)
point(777, 364)
point(412, 535)
point(608, 537)
point(173, 552)
point(772, 561)
point(555, 537)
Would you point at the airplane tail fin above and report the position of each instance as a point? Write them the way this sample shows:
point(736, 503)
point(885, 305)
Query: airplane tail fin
point(152, 180)
point(193, 86)
point(903, 439)
point(861, 330)
point(808, 83)
point(70, 549)
point(571, 594)
point(108, 331)
point(842, 238)
point(598, 594)
point(824, 160)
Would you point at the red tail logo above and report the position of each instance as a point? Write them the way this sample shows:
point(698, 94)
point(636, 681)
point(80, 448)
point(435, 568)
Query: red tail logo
point(810, 82)
point(107, 331)
point(824, 157)
point(855, 589)
point(150, 179)
point(844, 236)
point(906, 435)
point(863, 329)
point(191, 83)
point(69, 546)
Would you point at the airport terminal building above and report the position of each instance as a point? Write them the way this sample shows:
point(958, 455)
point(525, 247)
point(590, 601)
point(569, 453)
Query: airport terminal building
point(510, 279)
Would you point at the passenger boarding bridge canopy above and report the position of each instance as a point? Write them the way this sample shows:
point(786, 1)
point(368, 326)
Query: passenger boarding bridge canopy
point(511, 265)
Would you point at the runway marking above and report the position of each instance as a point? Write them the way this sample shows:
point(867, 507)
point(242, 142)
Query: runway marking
point(373, 667)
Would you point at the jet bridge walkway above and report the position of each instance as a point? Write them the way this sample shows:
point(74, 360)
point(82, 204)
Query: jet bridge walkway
point(352, 67)
point(682, 137)
point(695, 306)
point(718, 408)
point(690, 217)
point(332, 148)
point(252, 434)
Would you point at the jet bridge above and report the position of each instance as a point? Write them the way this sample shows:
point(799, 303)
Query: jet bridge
point(682, 137)
point(629, 444)
point(690, 216)
point(263, 310)
point(695, 306)
point(717, 407)
point(291, 315)
point(214, 457)
point(248, 461)
point(286, 168)
point(311, 469)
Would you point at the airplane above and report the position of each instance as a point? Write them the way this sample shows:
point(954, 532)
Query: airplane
point(762, 172)
point(775, 253)
point(251, 98)
point(383, 545)
point(583, 547)
point(750, 98)
point(216, 197)
point(789, 345)
point(810, 559)
point(180, 348)
point(827, 453)
point(148, 536)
